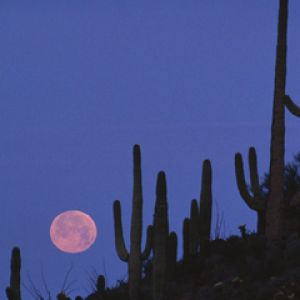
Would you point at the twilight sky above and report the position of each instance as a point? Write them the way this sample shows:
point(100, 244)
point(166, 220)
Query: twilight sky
point(82, 81)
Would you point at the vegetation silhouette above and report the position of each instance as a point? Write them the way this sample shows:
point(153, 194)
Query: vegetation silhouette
point(258, 265)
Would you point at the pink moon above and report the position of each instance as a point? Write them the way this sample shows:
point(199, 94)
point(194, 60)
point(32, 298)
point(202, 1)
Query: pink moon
point(73, 231)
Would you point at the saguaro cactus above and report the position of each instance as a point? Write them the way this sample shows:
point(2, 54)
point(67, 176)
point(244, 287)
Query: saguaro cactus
point(13, 292)
point(255, 202)
point(275, 203)
point(194, 229)
point(205, 208)
point(135, 257)
point(160, 239)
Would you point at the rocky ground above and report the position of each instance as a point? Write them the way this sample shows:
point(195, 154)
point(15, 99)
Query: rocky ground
point(236, 269)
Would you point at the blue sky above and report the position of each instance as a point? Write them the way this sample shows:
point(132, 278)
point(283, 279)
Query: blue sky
point(81, 82)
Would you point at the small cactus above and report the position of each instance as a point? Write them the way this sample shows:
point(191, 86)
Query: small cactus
point(62, 296)
point(13, 292)
point(100, 285)
point(243, 231)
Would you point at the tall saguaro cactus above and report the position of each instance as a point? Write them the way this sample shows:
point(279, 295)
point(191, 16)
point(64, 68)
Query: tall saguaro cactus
point(13, 292)
point(160, 239)
point(135, 257)
point(205, 208)
point(275, 203)
point(256, 201)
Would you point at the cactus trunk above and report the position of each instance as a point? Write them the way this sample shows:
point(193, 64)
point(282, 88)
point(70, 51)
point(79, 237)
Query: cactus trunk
point(275, 204)
point(205, 208)
point(160, 242)
point(194, 229)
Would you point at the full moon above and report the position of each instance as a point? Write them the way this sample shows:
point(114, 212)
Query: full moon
point(73, 231)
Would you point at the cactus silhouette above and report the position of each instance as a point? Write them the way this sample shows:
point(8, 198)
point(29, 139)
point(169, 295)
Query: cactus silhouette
point(275, 203)
point(172, 255)
point(13, 292)
point(100, 285)
point(194, 229)
point(62, 296)
point(186, 239)
point(135, 257)
point(205, 208)
point(9, 293)
point(257, 201)
point(160, 239)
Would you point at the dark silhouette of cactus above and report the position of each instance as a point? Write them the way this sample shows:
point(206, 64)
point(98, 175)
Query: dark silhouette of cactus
point(205, 208)
point(194, 229)
point(160, 239)
point(62, 296)
point(78, 298)
point(9, 293)
point(186, 239)
point(172, 255)
point(99, 289)
point(243, 231)
point(197, 229)
point(257, 201)
point(13, 292)
point(100, 285)
point(135, 257)
point(275, 203)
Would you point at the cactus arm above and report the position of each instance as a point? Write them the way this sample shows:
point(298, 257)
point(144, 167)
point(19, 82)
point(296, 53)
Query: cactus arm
point(240, 180)
point(9, 293)
point(149, 240)
point(253, 172)
point(293, 108)
point(119, 237)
